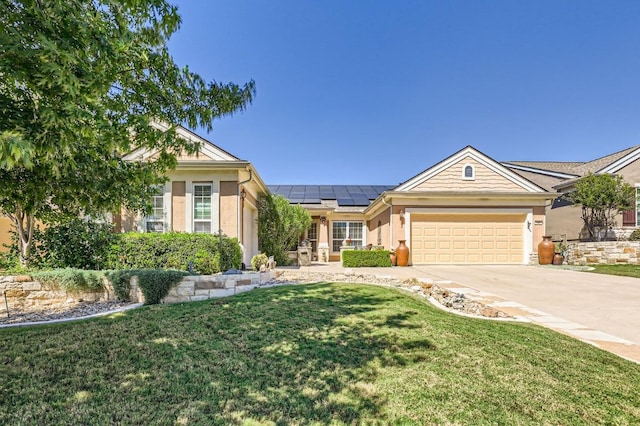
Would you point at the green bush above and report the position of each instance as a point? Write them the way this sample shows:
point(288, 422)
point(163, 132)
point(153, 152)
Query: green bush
point(76, 243)
point(635, 235)
point(204, 253)
point(154, 283)
point(362, 258)
point(258, 260)
point(74, 280)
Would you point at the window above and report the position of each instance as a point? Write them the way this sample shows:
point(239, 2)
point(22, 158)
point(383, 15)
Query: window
point(312, 236)
point(342, 230)
point(202, 208)
point(468, 172)
point(155, 222)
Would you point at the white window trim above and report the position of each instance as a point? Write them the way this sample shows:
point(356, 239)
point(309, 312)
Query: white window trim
point(166, 212)
point(473, 172)
point(364, 231)
point(193, 206)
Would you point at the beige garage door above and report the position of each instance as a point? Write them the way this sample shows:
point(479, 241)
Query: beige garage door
point(467, 238)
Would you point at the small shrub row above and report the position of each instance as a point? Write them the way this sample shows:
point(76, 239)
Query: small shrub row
point(69, 279)
point(154, 283)
point(362, 258)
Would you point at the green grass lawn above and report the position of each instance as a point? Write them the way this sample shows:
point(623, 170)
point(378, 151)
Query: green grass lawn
point(313, 354)
point(624, 270)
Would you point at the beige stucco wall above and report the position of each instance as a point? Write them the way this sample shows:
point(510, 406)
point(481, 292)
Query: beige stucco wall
point(178, 206)
point(383, 217)
point(538, 226)
point(229, 208)
point(5, 232)
point(631, 173)
point(451, 179)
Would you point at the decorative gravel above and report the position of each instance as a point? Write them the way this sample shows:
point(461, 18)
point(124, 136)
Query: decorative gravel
point(21, 314)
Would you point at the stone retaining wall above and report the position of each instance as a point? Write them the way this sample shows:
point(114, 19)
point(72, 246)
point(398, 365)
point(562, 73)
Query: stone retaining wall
point(603, 252)
point(22, 290)
point(202, 287)
point(25, 291)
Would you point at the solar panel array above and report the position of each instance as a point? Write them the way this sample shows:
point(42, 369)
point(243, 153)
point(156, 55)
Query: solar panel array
point(345, 195)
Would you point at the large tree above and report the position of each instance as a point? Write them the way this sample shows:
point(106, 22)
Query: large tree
point(601, 198)
point(81, 82)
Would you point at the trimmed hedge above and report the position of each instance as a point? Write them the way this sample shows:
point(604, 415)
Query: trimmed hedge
point(154, 283)
point(201, 252)
point(74, 280)
point(362, 258)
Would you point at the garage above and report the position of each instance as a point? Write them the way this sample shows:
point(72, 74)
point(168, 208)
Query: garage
point(467, 238)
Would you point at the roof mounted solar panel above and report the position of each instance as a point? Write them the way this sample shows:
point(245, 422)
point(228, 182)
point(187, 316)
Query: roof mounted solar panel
point(346, 202)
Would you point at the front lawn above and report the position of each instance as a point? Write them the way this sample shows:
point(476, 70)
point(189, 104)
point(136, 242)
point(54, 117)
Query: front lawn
point(313, 354)
point(624, 270)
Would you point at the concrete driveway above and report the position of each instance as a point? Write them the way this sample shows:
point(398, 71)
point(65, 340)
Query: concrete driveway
point(604, 303)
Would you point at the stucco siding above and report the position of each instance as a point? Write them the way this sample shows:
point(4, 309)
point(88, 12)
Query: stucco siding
point(631, 173)
point(178, 206)
point(451, 179)
point(5, 233)
point(379, 235)
point(229, 208)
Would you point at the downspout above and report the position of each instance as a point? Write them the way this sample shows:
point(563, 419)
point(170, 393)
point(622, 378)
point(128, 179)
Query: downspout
point(390, 221)
point(241, 206)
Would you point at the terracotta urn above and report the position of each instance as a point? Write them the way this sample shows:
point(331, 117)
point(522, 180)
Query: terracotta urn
point(558, 259)
point(402, 253)
point(392, 256)
point(546, 250)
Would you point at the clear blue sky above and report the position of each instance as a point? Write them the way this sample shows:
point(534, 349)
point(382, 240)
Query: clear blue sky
point(374, 92)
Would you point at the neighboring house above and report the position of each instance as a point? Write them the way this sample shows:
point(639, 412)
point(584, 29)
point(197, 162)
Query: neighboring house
point(210, 192)
point(564, 219)
point(467, 209)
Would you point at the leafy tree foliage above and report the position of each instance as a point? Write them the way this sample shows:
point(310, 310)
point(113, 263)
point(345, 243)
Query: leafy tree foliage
point(280, 226)
point(81, 82)
point(601, 197)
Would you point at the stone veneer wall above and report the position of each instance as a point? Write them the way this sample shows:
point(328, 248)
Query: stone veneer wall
point(202, 287)
point(22, 290)
point(603, 252)
point(25, 291)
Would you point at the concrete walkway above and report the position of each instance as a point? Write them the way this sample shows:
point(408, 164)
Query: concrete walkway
point(603, 310)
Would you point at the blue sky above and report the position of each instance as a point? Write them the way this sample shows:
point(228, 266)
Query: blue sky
point(374, 92)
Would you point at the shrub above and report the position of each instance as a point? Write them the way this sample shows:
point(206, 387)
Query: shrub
point(74, 280)
point(76, 243)
point(280, 226)
point(635, 235)
point(258, 260)
point(154, 283)
point(361, 258)
point(205, 253)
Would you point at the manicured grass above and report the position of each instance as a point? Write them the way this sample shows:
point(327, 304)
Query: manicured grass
point(625, 270)
point(314, 354)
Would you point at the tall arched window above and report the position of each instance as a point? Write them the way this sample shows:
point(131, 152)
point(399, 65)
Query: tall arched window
point(379, 232)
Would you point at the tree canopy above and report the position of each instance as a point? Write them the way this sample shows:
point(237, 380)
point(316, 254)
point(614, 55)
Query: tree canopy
point(81, 83)
point(601, 197)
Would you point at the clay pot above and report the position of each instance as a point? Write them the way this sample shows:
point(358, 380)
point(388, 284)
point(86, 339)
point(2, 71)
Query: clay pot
point(394, 259)
point(402, 252)
point(546, 250)
point(558, 259)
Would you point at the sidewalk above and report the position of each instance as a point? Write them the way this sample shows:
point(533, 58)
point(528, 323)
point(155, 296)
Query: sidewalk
point(445, 277)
